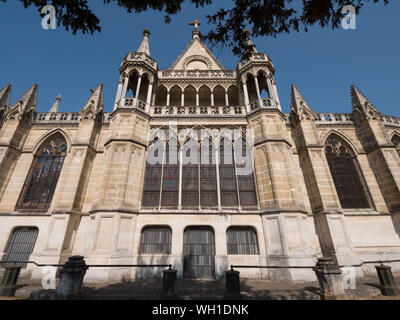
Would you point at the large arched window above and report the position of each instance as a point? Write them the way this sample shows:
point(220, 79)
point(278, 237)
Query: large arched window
point(343, 167)
point(200, 175)
point(44, 175)
point(156, 240)
point(242, 240)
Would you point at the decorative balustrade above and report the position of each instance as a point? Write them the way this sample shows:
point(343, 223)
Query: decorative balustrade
point(200, 111)
point(266, 103)
point(128, 102)
point(59, 117)
point(197, 74)
point(326, 118)
point(133, 102)
point(391, 121)
point(347, 118)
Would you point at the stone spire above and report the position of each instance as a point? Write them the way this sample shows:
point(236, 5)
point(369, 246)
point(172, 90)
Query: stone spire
point(360, 103)
point(5, 95)
point(54, 108)
point(25, 104)
point(144, 46)
point(249, 43)
point(94, 105)
point(298, 103)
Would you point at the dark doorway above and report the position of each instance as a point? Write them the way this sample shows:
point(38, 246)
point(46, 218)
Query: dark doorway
point(199, 253)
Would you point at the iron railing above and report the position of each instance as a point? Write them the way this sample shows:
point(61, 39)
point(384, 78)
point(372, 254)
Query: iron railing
point(307, 267)
point(14, 263)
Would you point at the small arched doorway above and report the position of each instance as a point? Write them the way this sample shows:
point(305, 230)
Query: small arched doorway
point(199, 253)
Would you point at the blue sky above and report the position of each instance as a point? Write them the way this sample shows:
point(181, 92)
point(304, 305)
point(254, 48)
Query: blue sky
point(321, 63)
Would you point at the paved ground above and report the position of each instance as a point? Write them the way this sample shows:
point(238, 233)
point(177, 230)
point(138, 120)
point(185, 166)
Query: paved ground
point(366, 288)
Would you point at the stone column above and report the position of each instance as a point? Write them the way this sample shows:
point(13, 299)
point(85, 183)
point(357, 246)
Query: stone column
point(125, 88)
point(226, 99)
point(276, 95)
point(197, 99)
point(138, 90)
point(212, 99)
point(258, 91)
point(246, 96)
point(149, 92)
point(183, 99)
point(271, 91)
point(168, 98)
point(118, 95)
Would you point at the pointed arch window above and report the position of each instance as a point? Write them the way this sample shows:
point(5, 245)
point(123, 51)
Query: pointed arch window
point(396, 142)
point(345, 174)
point(44, 175)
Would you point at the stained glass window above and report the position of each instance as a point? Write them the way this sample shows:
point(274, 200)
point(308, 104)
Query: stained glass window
point(156, 240)
point(208, 176)
point(242, 240)
point(170, 184)
point(45, 173)
point(247, 188)
point(342, 165)
point(227, 174)
point(190, 176)
point(152, 178)
point(199, 181)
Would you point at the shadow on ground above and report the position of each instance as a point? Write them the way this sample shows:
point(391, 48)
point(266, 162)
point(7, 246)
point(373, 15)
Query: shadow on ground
point(366, 288)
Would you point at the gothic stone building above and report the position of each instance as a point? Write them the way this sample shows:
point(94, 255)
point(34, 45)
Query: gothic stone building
point(79, 184)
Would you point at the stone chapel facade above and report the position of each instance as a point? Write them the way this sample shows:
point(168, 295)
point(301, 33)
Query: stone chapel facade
point(79, 184)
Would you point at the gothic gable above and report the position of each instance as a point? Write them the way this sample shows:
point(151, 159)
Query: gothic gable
point(196, 56)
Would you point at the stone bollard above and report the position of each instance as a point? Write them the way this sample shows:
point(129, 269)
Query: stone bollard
point(330, 279)
point(388, 285)
point(232, 279)
point(169, 279)
point(71, 278)
point(8, 284)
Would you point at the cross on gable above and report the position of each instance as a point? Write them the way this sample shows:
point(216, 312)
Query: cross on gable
point(195, 23)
